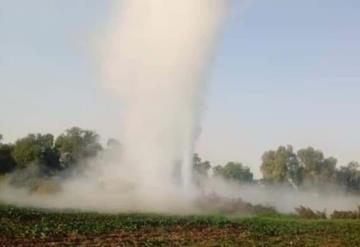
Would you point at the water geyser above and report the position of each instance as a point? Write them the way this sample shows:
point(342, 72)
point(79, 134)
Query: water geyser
point(155, 57)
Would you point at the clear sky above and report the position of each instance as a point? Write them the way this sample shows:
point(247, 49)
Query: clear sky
point(287, 72)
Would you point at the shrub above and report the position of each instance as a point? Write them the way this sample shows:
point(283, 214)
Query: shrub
point(216, 203)
point(308, 213)
point(346, 214)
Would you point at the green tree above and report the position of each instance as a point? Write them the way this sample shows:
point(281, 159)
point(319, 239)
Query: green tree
point(26, 150)
point(77, 144)
point(218, 171)
point(234, 171)
point(349, 177)
point(201, 167)
point(317, 168)
point(200, 170)
point(37, 149)
point(7, 162)
point(113, 143)
point(268, 166)
point(281, 166)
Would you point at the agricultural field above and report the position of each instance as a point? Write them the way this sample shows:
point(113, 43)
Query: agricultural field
point(34, 227)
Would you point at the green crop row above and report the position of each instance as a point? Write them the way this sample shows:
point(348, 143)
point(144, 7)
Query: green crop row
point(273, 229)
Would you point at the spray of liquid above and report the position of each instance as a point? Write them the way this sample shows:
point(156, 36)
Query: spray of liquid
point(155, 58)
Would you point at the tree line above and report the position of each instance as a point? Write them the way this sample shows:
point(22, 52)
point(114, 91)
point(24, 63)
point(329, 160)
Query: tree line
point(48, 156)
point(308, 168)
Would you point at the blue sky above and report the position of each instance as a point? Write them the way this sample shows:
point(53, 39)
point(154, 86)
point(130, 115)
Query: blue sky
point(287, 72)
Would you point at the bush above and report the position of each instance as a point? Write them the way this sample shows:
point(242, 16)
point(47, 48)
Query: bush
point(216, 203)
point(346, 214)
point(308, 213)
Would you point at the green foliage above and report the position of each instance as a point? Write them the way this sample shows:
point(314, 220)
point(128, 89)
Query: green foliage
point(200, 170)
point(308, 213)
point(201, 167)
point(7, 162)
point(34, 149)
point(280, 166)
point(38, 157)
point(346, 214)
point(349, 177)
point(77, 144)
point(235, 172)
point(24, 151)
point(308, 167)
point(221, 204)
point(72, 228)
point(317, 168)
